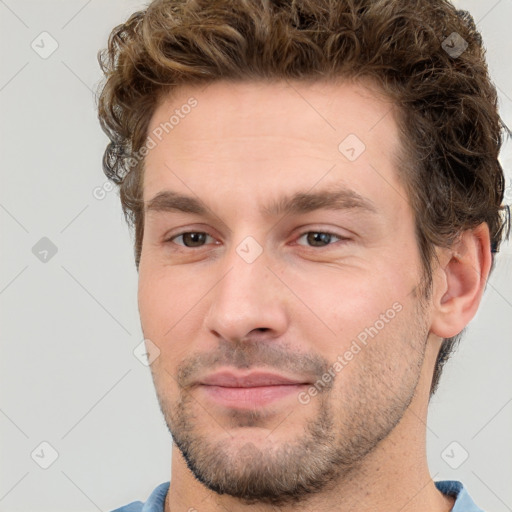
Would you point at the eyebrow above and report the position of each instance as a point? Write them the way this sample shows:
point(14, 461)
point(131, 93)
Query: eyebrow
point(339, 198)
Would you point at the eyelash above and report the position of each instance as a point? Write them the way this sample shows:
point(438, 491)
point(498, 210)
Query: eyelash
point(173, 237)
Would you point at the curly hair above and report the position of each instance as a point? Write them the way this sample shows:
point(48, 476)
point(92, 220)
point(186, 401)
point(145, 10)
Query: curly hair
point(450, 129)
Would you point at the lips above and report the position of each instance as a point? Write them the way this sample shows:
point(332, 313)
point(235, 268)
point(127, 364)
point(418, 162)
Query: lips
point(235, 390)
point(254, 379)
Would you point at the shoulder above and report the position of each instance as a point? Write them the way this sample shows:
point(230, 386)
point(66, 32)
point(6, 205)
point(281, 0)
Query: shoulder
point(155, 502)
point(463, 501)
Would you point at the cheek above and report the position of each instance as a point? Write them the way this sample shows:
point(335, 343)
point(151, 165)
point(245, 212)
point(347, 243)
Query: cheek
point(346, 300)
point(165, 295)
point(152, 301)
point(383, 359)
point(171, 304)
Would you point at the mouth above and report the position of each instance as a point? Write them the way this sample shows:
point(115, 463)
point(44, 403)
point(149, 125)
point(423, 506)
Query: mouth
point(255, 389)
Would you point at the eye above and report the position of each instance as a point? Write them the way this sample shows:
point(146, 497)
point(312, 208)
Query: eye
point(190, 239)
point(320, 238)
point(196, 239)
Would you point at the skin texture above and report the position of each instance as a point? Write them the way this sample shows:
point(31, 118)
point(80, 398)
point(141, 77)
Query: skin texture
point(359, 443)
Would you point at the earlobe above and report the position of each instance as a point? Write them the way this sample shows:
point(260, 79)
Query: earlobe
point(463, 278)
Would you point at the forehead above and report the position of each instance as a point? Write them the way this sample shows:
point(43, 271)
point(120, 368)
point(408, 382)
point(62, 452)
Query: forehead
point(326, 109)
point(273, 134)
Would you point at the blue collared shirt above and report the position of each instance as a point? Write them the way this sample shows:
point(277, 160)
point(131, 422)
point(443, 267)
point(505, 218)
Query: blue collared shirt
point(155, 502)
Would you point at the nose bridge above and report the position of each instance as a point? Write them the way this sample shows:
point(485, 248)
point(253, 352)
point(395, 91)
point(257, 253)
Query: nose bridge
point(247, 296)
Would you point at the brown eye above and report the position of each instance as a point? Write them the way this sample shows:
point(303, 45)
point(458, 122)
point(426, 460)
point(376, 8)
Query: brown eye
point(319, 238)
point(190, 238)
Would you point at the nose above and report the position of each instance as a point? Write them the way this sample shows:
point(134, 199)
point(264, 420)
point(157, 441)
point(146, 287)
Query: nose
point(249, 299)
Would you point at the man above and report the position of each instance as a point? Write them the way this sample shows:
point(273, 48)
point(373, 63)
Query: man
point(316, 198)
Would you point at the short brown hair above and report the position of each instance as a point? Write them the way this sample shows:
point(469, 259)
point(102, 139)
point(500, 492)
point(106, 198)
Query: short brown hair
point(451, 131)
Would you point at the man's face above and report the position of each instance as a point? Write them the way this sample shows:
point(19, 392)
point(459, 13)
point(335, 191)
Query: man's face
point(326, 297)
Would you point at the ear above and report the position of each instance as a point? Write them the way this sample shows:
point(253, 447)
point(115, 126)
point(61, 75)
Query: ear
point(461, 282)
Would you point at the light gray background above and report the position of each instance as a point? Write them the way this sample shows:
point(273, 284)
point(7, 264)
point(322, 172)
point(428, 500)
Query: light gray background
point(68, 375)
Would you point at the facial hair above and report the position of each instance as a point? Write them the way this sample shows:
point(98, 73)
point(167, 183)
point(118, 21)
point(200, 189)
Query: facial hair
point(349, 421)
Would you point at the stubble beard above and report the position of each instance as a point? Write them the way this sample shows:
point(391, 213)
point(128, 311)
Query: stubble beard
point(331, 449)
